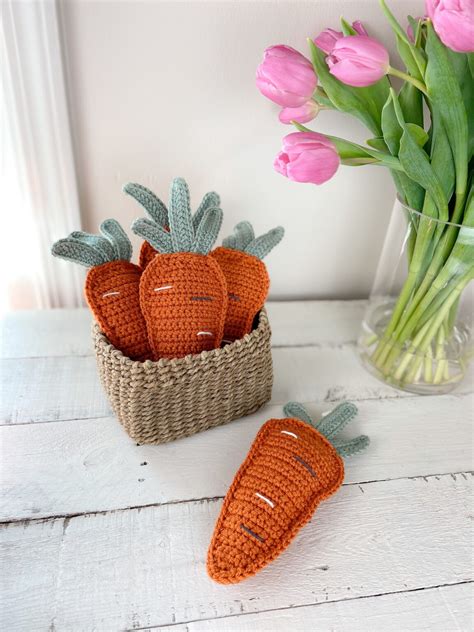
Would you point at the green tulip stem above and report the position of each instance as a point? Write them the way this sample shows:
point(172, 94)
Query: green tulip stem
point(406, 77)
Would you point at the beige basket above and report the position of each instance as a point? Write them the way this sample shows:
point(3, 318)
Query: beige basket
point(161, 401)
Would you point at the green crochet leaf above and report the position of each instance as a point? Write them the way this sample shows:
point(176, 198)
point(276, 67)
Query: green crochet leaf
point(245, 235)
point(332, 423)
point(154, 235)
point(118, 238)
point(97, 241)
point(78, 252)
point(261, 246)
point(150, 202)
point(180, 219)
point(208, 230)
point(210, 200)
point(298, 411)
point(230, 242)
point(348, 448)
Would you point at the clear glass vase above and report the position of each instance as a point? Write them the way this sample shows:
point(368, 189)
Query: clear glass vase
point(417, 330)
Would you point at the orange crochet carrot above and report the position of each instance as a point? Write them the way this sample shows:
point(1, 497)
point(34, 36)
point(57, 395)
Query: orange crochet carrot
point(158, 213)
point(246, 275)
point(112, 285)
point(183, 295)
point(291, 467)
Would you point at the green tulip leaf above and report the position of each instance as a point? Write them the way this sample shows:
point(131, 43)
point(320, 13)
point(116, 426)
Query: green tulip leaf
point(416, 164)
point(377, 143)
point(447, 101)
point(464, 75)
point(411, 102)
point(418, 133)
point(347, 28)
point(413, 57)
point(411, 192)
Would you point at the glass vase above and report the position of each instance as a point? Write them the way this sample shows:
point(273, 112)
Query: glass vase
point(416, 334)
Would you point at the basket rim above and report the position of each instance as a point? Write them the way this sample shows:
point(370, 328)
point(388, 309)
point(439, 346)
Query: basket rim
point(102, 340)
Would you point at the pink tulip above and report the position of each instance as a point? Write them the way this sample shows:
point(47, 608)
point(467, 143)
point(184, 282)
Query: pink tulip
point(327, 38)
point(453, 21)
point(286, 77)
point(410, 33)
point(306, 112)
point(307, 157)
point(358, 60)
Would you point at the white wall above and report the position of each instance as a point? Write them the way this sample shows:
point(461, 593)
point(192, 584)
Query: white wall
point(160, 89)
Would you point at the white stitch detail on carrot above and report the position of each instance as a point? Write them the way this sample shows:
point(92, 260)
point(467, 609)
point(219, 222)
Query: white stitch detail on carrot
point(163, 287)
point(205, 333)
point(110, 294)
point(267, 500)
point(292, 434)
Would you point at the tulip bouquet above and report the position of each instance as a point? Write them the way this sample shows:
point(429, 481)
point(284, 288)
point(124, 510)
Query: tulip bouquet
point(423, 133)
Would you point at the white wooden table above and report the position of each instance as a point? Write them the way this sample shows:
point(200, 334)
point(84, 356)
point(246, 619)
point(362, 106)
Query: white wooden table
point(102, 534)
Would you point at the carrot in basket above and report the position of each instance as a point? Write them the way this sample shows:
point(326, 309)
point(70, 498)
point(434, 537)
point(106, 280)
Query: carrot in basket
point(240, 258)
point(183, 294)
point(158, 213)
point(291, 467)
point(112, 285)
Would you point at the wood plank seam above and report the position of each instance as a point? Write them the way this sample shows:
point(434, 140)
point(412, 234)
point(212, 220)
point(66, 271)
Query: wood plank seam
point(68, 517)
point(332, 396)
point(314, 605)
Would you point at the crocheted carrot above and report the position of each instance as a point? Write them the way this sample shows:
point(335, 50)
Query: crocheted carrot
point(158, 213)
point(112, 285)
point(183, 294)
point(240, 258)
point(292, 466)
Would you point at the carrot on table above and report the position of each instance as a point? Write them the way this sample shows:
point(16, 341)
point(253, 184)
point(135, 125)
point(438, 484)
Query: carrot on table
point(292, 466)
point(183, 294)
point(112, 285)
point(240, 258)
point(158, 213)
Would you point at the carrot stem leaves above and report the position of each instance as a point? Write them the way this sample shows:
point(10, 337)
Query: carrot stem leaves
point(332, 423)
point(261, 246)
point(78, 252)
point(118, 238)
point(348, 448)
point(180, 219)
point(96, 241)
point(150, 202)
point(243, 238)
point(207, 231)
point(154, 235)
point(210, 200)
point(298, 411)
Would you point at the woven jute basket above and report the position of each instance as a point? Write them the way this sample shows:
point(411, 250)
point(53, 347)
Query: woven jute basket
point(161, 401)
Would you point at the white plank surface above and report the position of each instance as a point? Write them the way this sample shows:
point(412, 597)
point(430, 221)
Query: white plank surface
point(92, 465)
point(46, 333)
point(391, 551)
point(443, 609)
point(44, 388)
point(59, 389)
point(146, 567)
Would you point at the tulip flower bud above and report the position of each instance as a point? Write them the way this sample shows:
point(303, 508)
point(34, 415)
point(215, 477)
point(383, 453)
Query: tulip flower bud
point(453, 21)
point(358, 60)
point(327, 38)
point(307, 157)
point(306, 112)
point(286, 77)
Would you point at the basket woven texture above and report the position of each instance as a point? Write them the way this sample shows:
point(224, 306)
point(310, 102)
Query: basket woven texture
point(161, 401)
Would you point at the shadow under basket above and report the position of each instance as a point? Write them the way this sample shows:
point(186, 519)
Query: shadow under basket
point(161, 401)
